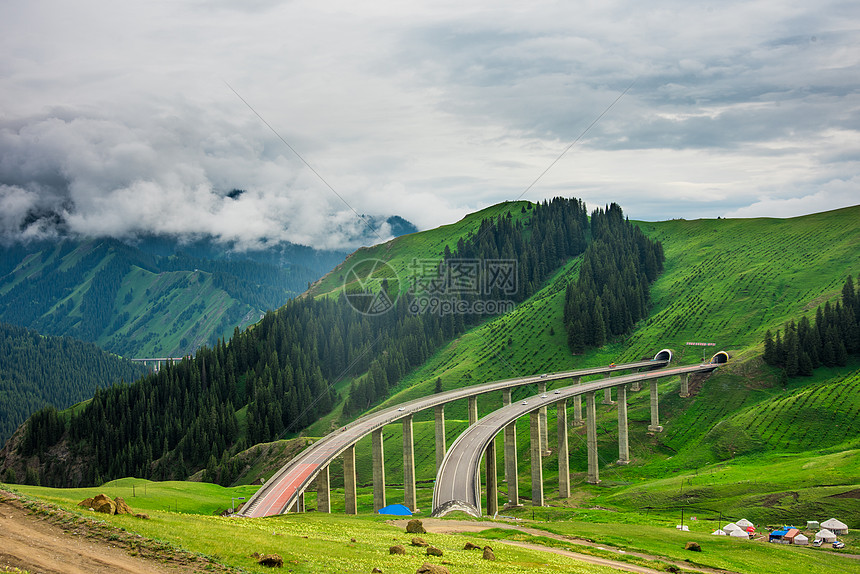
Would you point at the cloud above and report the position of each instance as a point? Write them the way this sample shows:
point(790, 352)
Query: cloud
point(123, 124)
point(832, 195)
point(88, 174)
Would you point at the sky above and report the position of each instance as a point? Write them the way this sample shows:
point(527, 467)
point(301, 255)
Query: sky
point(119, 118)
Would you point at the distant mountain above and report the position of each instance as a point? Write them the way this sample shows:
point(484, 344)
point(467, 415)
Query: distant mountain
point(156, 296)
point(36, 370)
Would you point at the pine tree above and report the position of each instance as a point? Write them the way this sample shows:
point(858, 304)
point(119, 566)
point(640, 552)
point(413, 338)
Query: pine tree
point(769, 350)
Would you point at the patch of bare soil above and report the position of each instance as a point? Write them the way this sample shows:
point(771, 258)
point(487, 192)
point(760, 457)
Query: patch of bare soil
point(849, 494)
point(44, 539)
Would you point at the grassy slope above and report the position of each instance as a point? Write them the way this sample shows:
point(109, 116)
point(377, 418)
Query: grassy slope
point(729, 280)
point(308, 543)
point(736, 294)
point(165, 308)
point(399, 253)
point(726, 281)
point(150, 323)
point(722, 307)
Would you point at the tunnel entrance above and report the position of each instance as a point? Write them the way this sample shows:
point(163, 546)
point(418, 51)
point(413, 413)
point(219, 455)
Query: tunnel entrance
point(664, 355)
point(720, 358)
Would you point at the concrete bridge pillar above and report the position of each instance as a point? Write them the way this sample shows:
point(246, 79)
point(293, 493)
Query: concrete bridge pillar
point(655, 415)
point(607, 392)
point(492, 478)
point(685, 385)
point(635, 386)
point(623, 444)
point(300, 503)
point(544, 433)
point(577, 410)
point(511, 473)
point(324, 491)
point(378, 470)
point(473, 409)
point(440, 436)
point(591, 438)
point(506, 400)
point(563, 460)
point(409, 499)
point(536, 459)
point(349, 480)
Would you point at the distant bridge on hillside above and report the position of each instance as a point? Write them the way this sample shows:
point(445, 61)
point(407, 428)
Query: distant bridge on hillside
point(157, 362)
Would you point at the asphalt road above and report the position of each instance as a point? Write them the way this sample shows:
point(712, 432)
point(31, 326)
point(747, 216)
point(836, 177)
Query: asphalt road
point(281, 491)
point(459, 478)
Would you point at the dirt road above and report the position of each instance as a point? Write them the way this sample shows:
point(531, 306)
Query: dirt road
point(460, 526)
point(60, 545)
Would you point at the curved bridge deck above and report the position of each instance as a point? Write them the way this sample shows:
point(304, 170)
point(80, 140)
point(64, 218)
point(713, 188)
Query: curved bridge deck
point(458, 483)
point(283, 490)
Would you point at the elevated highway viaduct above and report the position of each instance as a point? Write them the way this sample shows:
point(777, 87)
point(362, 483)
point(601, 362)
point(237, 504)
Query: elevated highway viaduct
point(285, 490)
point(458, 481)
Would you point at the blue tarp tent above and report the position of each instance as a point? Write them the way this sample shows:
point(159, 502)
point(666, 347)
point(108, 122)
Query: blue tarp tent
point(396, 509)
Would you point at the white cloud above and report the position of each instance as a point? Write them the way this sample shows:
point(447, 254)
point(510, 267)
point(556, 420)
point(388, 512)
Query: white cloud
point(122, 123)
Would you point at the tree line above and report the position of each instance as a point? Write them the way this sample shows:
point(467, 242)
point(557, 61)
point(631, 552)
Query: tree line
point(612, 291)
point(535, 246)
point(38, 370)
point(802, 346)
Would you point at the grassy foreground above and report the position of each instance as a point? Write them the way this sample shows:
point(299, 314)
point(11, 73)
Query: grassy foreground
point(322, 543)
point(308, 543)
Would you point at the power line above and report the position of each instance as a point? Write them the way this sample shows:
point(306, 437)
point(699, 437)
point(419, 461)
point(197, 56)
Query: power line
point(304, 161)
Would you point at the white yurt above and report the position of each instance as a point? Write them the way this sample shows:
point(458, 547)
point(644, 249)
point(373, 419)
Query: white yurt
point(825, 535)
point(744, 523)
point(739, 534)
point(835, 526)
point(732, 526)
point(801, 540)
point(720, 532)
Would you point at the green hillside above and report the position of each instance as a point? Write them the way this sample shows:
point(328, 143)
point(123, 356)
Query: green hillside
point(401, 253)
point(765, 272)
point(747, 443)
point(764, 276)
point(136, 303)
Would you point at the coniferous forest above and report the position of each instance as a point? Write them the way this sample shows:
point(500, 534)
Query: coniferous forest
point(613, 288)
point(38, 370)
point(555, 232)
point(802, 346)
point(276, 377)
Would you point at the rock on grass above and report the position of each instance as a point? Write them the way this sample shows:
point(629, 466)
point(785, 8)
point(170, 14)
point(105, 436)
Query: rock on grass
point(428, 568)
point(415, 527)
point(271, 560)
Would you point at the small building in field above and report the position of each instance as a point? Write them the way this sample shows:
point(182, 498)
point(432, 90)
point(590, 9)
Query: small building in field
point(778, 536)
point(731, 526)
point(801, 540)
point(791, 534)
point(739, 534)
point(837, 527)
point(719, 532)
point(744, 523)
point(825, 535)
point(812, 525)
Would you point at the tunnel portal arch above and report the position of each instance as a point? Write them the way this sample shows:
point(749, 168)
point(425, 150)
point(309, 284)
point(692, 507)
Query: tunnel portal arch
point(664, 355)
point(720, 358)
